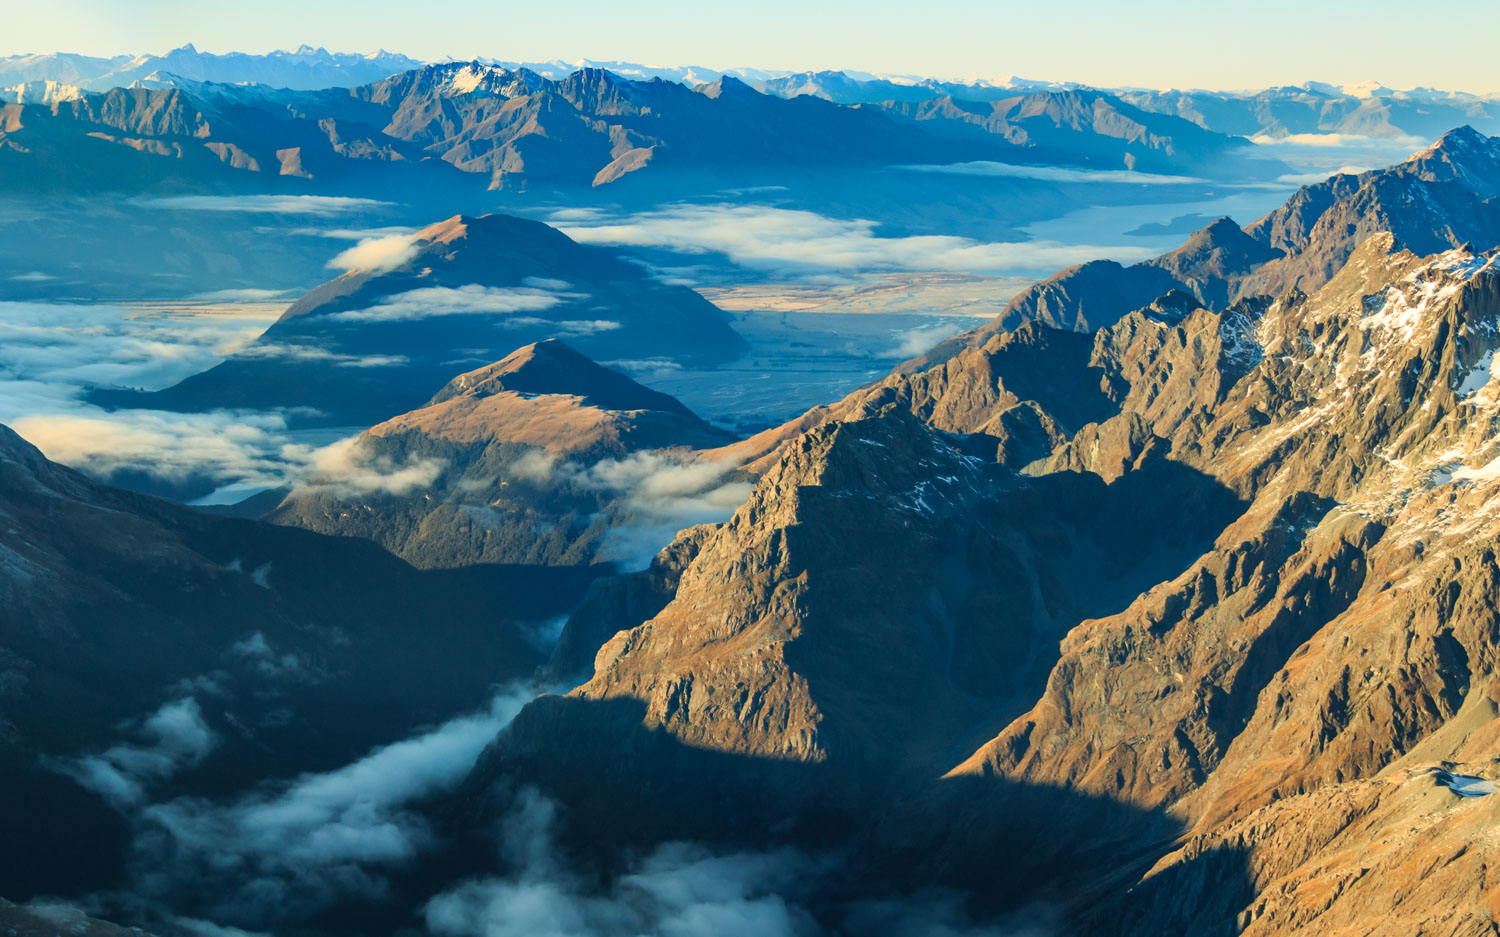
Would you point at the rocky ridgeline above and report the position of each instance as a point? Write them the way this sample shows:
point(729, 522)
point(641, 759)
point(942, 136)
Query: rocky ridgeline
point(1264, 533)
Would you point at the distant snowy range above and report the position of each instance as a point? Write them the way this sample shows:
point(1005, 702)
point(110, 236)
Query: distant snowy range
point(161, 211)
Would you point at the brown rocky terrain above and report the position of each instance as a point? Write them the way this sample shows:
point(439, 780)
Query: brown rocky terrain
point(1296, 695)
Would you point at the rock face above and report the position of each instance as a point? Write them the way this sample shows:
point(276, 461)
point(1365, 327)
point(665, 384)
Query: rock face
point(534, 459)
point(1346, 621)
point(293, 651)
point(878, 602)
point(382, 339)
point(1261, 531)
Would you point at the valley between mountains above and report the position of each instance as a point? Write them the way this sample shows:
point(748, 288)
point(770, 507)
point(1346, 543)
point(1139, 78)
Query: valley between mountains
point(1166, 601)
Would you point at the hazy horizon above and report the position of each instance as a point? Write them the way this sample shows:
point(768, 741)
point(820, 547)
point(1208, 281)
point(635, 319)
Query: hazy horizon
point(1346, 43)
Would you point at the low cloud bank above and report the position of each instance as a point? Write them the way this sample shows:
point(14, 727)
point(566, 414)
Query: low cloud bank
point(1313, 178)
point(470, 299)
point(74, 344)
point(290, 352)
point(379, 253)
point(915, 341)
point(659, 496)
point(173, 738)
point(273, 857)
point(802, 243)
point(270, 204)
point(248, 295)
point(347, 468)
point(228, 446)
point(1337, 140)
point(286, 850)
point(682, 890)
point(1055, 173)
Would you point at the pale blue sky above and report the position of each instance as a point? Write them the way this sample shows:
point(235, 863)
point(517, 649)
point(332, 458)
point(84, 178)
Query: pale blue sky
point(1146, 42)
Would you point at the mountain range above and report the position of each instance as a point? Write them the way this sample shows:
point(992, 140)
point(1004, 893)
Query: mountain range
point(514, 129)
point(1367, 110)
point(1163, 603)
point(1293, 707)
point(304, 67)
point(390, 333)
point(1441, 198)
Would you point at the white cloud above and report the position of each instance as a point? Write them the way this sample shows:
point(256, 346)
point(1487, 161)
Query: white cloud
point(677, 891)
point(801, 242)
point(350, 234)
point(644, 366)
point(535, 465)
point(563, 328)
point(258, 653)
point(33, 276)
point(684, 890)
point(386, 252)
point(1055, 173)
point(49, 353)
point(292, 847)
point(348, 469)
point(229, 445)
point(1337, 140)
point(201, 928)
point(470, 299)
point(1313, 178)
point(915, 341)
point(72, 344)
point(272, 204)
point(314, 353)
point(658, 496)
point(545, 283)
point(176, 737)
point(240, 295)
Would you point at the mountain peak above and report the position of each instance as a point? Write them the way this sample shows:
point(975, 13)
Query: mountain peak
point(1464, 155)
point(552, 367)
point(1460, 143)
point(1462, 137)
point(726, 85)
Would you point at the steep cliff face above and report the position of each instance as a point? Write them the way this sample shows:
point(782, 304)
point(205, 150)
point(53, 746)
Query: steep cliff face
point(881, 603)
point(1341, 632)
point(1262, 536)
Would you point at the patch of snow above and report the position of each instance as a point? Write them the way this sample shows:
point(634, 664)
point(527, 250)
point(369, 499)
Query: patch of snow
point(1466, 785)
point(1479, 376)
point(1489, 470)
